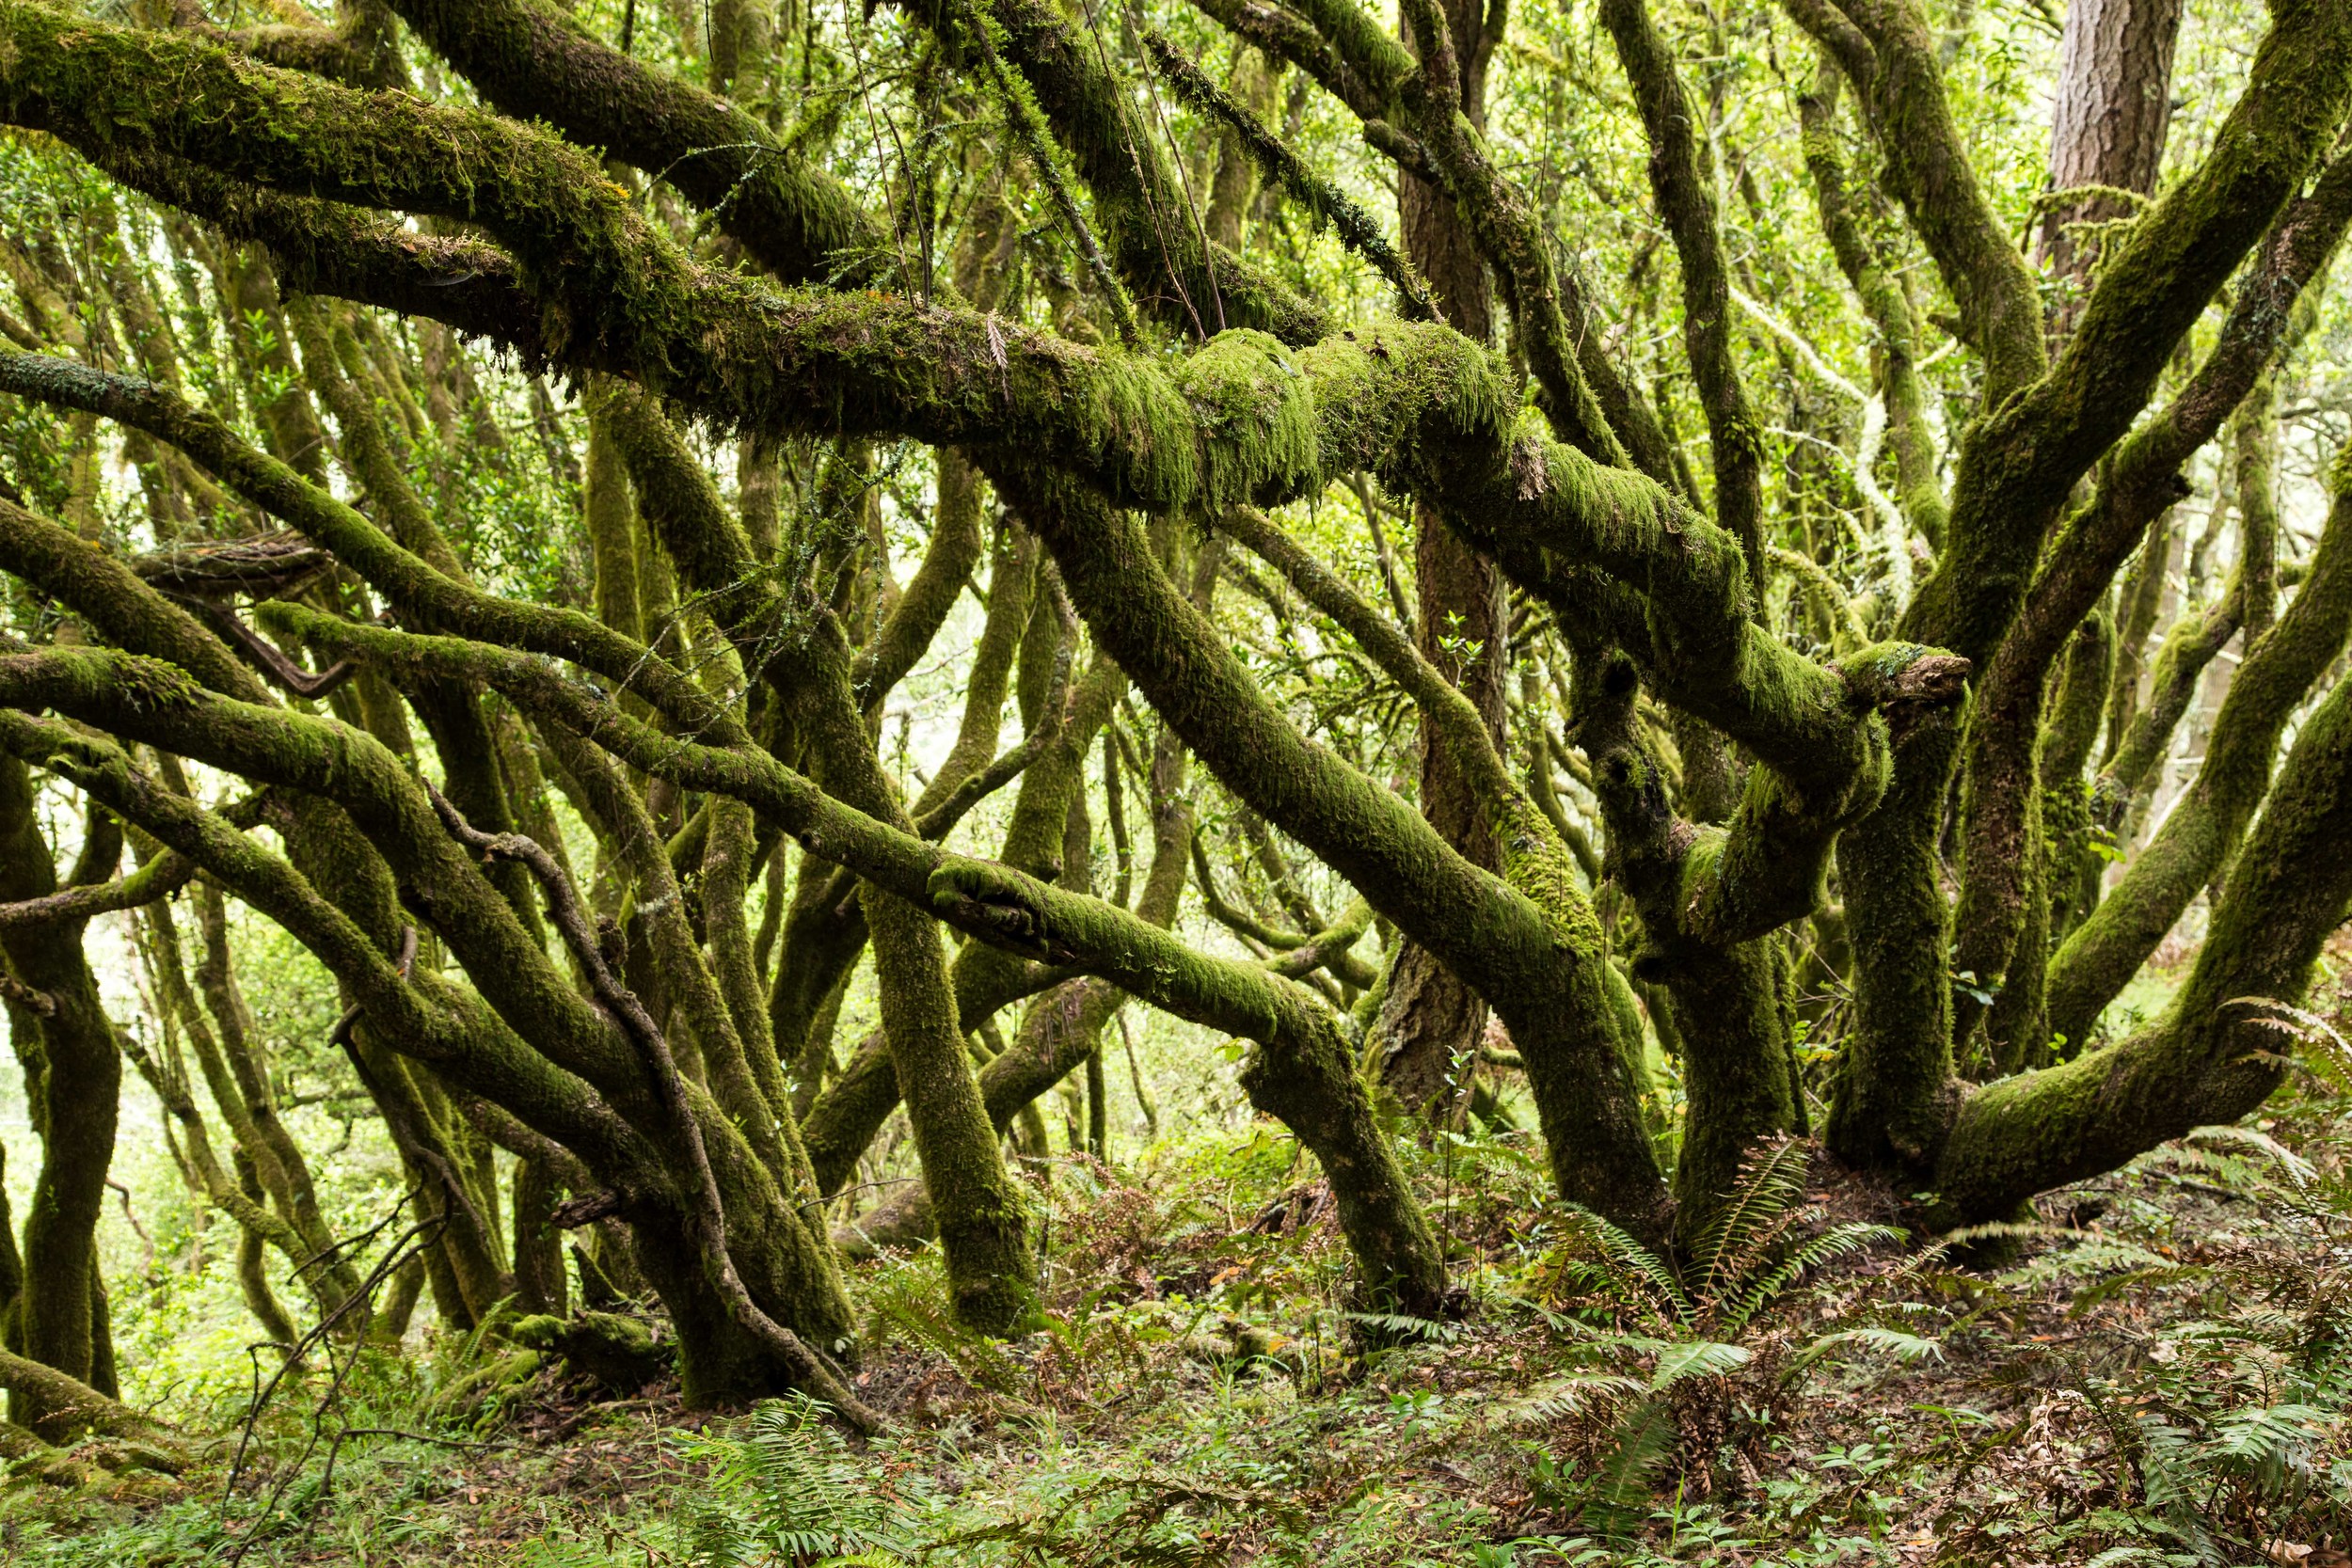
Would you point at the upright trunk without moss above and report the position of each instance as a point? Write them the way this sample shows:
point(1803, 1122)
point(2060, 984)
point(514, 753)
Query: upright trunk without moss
point(1430, 1022)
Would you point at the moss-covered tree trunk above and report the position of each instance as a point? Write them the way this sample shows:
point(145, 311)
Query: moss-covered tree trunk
point(73, 1072)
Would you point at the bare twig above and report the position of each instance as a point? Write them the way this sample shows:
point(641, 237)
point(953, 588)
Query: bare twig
point(1355, 228)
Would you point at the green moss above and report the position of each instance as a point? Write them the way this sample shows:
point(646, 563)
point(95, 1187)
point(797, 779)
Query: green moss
point(2203, 833)
point(1255, 414)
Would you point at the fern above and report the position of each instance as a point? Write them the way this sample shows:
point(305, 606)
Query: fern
point(1618, 1499)
point(1697, 1358)
point(1752, 1216)
point(911, 1301)
point(1576, 1396)
point(1830, 1244)
point(1401, 1326)
point(788, 1492)
point(2267, 1446)
point(1911, 1349)
point(1746, 1257)
point(1636, 1264)
point(1742, 1264)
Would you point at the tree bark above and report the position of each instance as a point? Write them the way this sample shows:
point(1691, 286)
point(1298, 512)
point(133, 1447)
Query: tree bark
point(1429, 1020)
point(2112, 108)
point(73, 1072)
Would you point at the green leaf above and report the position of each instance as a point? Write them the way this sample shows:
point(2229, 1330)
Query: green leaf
point(1697, 1358)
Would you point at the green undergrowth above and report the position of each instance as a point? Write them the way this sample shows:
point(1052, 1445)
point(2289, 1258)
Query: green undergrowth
point(2157, 1370)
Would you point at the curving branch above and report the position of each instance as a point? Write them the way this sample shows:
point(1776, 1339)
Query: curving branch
point(708, 1210)
point(1355, 228)
point(2202, 835)
point(160, 877)
point(1686, 200)
point(533, 62)
point(1885, 51)
point(2136, 486)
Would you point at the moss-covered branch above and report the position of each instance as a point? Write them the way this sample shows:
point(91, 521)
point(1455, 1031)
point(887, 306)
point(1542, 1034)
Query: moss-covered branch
point(416, 589)
point(1326, 201)
point(1738, 1068)
point(2215, 1053)
point(574, 1083)
point(2192, 643)
point(1148, 220)
point(1886, 50)
point(1686, 200)
point(2019, 461)
point(114, 601)
point(2202, 834)
point(328, 247)
point(999, 905)
point(1524, 938)
point(2141, 480)
point(73, 1072)
point(158, 878)
point(533, 62)
point(1886, 302)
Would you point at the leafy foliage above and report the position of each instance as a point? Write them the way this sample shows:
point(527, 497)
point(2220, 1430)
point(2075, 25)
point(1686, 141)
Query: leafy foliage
point(786, 1490)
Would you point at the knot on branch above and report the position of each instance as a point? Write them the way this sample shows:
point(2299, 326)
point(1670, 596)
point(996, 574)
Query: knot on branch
point(1530, 472)
point(1904, 681)
point(585, 1210)
point(24, 996)
point(993, 904)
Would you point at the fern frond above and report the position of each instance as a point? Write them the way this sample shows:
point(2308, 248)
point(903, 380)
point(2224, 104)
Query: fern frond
point(1909, 1349)
point(1771, 1182)
point(1633, 1259)
point(1830, 1244)
point(1581, 1394)
point(2298, 1170)
point(1620, 1496)
point(1405, 1326)
point(2007, 1230)
point(2275, 1436)
point(1697, 1358)
point(2107, 1290)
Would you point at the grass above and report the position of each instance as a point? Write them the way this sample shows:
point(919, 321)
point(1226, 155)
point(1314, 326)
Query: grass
point(2156, 1377)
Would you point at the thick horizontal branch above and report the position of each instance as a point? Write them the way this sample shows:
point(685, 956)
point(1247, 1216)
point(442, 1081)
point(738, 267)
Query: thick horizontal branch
point(1004, 907)
point(533, 62)
point(328, 247)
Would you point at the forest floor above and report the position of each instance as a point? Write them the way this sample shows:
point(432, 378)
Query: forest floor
point(2156, 1372)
